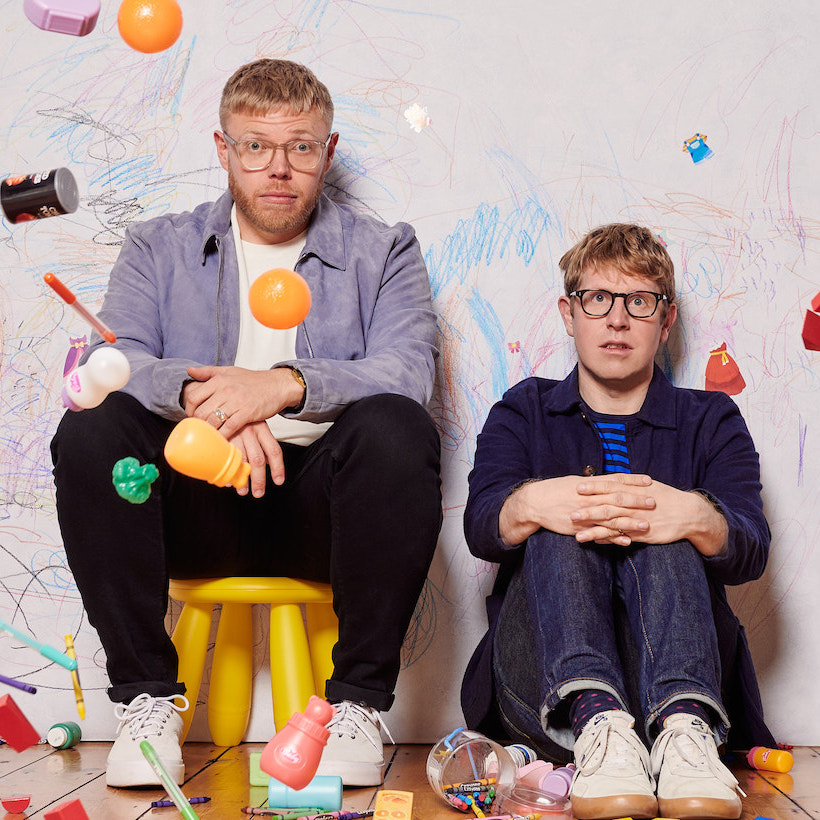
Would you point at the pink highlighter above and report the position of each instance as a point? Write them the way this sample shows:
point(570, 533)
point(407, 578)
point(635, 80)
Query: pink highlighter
point(292, 756)
point(76, 17)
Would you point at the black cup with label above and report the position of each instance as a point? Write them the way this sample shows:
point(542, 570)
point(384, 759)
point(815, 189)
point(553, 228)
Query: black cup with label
point(40, 195)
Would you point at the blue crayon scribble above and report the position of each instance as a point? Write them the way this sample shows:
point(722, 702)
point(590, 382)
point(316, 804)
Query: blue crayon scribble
point(489, 325)
point(484, 238)
point(802, 429)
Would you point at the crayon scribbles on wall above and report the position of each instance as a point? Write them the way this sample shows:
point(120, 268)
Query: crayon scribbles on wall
point(535, 133)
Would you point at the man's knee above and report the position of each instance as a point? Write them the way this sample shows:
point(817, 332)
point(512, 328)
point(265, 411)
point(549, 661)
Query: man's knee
point(118, 427)
point(394, 427)
point(675, 559)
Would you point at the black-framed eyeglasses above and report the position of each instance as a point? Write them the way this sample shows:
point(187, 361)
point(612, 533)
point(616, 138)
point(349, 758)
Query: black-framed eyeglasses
point(640, 304)
point(257, 155)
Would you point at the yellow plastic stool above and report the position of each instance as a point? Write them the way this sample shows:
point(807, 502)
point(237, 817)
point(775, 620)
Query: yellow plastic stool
point(300, 662)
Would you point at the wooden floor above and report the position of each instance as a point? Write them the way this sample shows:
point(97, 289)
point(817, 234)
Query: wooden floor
point(51, 777)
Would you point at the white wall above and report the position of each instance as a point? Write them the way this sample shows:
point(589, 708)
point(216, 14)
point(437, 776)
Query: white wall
point(547, 119)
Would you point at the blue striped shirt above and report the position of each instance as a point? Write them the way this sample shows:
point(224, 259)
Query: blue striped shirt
point(613, 438)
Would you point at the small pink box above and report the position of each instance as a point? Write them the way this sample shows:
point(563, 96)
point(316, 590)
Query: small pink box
point(76, 17)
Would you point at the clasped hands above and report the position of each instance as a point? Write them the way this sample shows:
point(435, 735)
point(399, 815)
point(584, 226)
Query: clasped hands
point(246, 398)
point(615, 509)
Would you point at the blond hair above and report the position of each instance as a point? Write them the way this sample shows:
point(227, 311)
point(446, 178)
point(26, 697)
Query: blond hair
point(630, 248)
point(260, 86)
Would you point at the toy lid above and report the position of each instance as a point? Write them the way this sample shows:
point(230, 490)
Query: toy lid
point(524, 800)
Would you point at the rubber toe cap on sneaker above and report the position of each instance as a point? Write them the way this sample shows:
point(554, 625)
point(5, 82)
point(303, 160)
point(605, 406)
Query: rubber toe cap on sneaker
point(701, 808)
point(621, 805)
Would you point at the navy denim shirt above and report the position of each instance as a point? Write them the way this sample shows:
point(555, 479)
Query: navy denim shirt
point(173, 302)
point(689, 439)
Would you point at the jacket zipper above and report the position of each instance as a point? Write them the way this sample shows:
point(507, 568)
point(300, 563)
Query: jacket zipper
point(218, 289)
point(303, 324)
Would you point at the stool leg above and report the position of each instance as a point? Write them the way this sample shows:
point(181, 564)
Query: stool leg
point(229, 697)
point(323, 632)
point(290, 671)
point(190, 639)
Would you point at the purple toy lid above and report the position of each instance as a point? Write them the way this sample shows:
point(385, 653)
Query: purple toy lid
point(76, 17)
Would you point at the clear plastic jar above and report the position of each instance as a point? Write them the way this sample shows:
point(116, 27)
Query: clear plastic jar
point(464, 759)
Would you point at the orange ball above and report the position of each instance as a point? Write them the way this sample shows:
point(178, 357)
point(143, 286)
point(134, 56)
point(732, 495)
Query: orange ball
point(150, 25)
point(279, 298)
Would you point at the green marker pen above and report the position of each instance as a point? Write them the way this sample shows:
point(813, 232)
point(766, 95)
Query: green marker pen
point(173, 790)
point(44, 649)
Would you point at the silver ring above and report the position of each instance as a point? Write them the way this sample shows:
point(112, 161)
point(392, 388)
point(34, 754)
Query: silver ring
point(221, 415)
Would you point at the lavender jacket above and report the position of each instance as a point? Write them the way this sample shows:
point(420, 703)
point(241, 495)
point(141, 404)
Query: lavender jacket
point(173, 302)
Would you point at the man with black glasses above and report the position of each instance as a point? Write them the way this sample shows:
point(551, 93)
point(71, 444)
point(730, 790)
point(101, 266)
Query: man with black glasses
point(344, 484)
point(618, 506)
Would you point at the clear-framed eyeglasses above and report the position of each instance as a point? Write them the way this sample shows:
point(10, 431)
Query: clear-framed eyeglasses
point(257, 155)
point(640, 304)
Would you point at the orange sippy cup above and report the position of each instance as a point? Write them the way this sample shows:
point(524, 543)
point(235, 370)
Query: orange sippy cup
point(198, 450)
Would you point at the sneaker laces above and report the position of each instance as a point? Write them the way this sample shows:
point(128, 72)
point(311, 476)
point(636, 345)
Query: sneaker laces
point(694, 750)
point(351, 718)
point(613, 745)
point(146, 715)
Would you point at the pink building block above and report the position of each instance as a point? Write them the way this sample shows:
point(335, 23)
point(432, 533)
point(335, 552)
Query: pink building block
point(815, 303)
point(77, 17)
point(70, 810)
point(14, 726)
point(811, 331)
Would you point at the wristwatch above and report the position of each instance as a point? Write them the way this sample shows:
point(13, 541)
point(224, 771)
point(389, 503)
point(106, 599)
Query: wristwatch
point(301, 379)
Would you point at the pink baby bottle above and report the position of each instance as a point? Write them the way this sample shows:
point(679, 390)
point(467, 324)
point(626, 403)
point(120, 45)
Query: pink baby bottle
point(293, 754)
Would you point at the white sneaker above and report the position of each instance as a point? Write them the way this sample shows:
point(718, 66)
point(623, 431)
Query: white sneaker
point(354, 749)
point(157, 721)
point(612, 776)
point(692, 782)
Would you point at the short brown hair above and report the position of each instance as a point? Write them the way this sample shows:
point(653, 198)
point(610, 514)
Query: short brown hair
point(262, 85)
point(630, 248)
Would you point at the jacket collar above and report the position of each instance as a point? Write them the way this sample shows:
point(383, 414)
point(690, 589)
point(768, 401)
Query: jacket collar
point(217, 224)
point(658, 408)
point(325, 237)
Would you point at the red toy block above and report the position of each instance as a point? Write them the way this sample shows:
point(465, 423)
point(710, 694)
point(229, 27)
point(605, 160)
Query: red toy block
point(811, 331)
point(815, 303)
point(14, 726)
point(70, 810)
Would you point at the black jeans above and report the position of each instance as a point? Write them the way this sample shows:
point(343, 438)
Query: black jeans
point(360, 508)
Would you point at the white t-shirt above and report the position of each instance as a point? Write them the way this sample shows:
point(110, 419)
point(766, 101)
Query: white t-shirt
point(262, 347)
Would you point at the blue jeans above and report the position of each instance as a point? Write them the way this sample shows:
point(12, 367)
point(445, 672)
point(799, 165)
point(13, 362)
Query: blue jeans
point(634, 622)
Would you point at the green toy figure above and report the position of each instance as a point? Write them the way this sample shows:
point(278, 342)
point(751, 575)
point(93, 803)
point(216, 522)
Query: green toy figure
point(132, 480)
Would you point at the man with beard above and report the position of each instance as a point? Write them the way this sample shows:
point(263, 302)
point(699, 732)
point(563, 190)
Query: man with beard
point(344, 484)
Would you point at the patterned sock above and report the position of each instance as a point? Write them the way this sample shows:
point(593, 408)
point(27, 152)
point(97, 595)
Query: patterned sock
point(689, 707)
point(586, 705)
